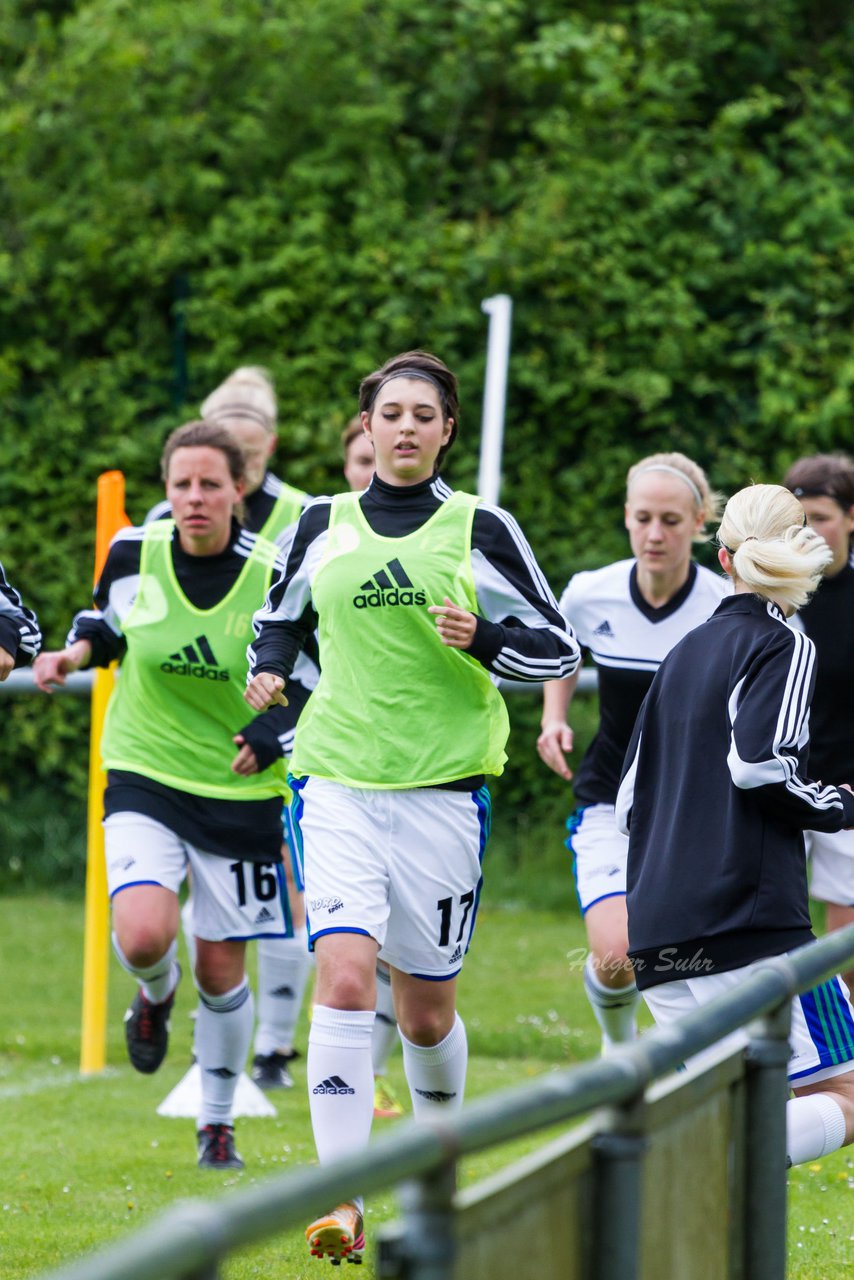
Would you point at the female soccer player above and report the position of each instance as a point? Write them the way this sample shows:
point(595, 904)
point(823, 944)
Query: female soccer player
point(358, 472)
point(824, 486)
point(245, 405)
point(190, 782)
point(627, 616)
point(419, 593)
point(20, 637)
point(715, 802)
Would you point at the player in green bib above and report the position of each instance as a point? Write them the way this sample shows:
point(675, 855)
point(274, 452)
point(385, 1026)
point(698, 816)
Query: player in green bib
point(421, 596)
point(245, 405)
point(192, 782)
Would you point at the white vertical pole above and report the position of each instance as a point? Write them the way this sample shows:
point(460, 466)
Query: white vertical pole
point(499, 309)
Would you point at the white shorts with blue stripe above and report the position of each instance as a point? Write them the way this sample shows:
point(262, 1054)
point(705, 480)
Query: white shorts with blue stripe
point(831, 860)
point(601, 854)
point(403, 867)
point(233, 900)
point(822, 1035)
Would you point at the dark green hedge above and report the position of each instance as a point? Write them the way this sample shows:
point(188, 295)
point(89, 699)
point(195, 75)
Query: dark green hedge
point(663, 188)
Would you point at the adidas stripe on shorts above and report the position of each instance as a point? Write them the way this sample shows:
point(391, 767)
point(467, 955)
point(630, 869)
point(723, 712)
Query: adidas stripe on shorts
point(600, 854)
point(403, 867)
point(822, 1035)
point(290, 850)
point(233, 900)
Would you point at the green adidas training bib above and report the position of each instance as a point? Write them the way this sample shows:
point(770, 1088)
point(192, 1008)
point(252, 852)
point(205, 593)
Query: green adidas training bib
point(287, 511)
point(178, 701)
point(394, 706)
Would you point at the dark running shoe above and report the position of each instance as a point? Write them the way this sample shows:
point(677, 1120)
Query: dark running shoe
point(216, 1147)
point(270, 1070)
point(147, 1031)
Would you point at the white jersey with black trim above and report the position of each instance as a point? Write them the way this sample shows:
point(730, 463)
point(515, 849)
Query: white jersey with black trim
point(20, 635)
point(627, 639)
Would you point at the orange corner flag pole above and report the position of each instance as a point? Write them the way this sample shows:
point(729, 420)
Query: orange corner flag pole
point(93, 1043)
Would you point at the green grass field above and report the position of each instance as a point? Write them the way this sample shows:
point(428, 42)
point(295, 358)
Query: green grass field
point(89, 1161)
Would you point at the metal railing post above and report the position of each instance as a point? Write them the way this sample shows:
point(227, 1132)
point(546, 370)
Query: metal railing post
point(767, 1057)
point(618, 1163)
point(423, 1248)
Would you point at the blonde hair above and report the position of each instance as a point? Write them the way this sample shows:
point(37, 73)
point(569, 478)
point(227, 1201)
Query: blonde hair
point(773, 552)
point(248, 392)
point(706, 500)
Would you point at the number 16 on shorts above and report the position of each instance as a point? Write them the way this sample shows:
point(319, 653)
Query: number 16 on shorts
point(259, 897)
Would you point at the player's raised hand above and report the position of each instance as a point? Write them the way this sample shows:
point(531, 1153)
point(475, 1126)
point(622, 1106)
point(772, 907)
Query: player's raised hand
point(456, 626)
point(52, 666)
point(7, 663)
point(265, 690)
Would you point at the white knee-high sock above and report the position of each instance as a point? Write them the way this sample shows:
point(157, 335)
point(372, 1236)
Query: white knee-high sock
point(188, 930)
point(284, 965)
point(340, 1080)
point(223, 1033)
point(615, 1008)
point(436, 1074)
point(158, 980)
point(385, 1027)
point(815, 1126)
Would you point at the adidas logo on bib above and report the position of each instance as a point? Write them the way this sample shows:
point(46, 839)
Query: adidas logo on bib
point(197, 659)
point(388, 587)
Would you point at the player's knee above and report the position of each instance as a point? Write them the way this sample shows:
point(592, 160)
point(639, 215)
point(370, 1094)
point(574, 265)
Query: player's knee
point(426, 1026)
point(841, 1089)
point(144, 943)
point(343, 990)
point(612, 966)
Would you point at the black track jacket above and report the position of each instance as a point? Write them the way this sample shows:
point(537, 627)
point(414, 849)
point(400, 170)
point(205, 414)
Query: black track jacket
point(714, 798)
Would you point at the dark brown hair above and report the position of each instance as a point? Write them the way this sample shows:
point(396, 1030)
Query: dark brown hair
point(417, 364)
point(823, 475)
point(196, 435)
point(353, 429)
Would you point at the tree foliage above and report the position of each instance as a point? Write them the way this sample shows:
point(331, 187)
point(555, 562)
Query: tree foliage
point(662, 187)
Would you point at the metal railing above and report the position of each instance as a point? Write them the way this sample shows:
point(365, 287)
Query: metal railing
point(189, 1241)
point(21, 681)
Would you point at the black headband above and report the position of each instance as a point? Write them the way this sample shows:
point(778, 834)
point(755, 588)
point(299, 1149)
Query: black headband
point(820, 491)
point(409, 373)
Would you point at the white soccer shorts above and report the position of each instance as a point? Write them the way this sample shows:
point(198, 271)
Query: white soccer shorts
point(822, 1035)
point(600, 852)
point(233, 900)
point(831, 855)
point(403, 867)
